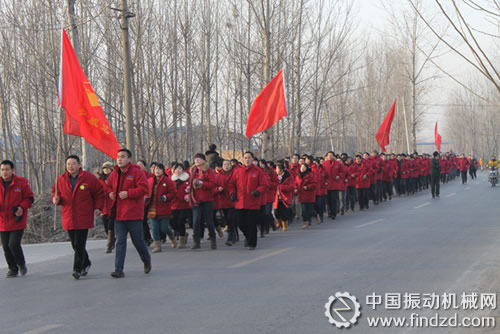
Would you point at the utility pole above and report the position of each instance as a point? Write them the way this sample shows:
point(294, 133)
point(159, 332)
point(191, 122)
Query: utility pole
point(87, 156)
point(266, 135)
point(127, 83)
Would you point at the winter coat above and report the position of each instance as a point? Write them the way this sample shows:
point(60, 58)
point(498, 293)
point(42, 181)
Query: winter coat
point(463, 164)
point(335, 174)
point(222, 199)
point(364, 170)
point(133, 181)
point(245, 181)
point(78, 204)
point(285, 191)
point(18, 194)
point(435, 167)
point(181, 198)
point(306, 187)
point(206, 192)
point(164, 187)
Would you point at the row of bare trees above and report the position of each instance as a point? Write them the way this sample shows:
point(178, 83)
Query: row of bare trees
point(196, 68)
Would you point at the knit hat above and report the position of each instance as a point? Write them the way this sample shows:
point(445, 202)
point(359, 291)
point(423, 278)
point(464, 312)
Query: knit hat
point(108, 164)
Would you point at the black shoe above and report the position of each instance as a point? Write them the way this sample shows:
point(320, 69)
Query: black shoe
point(117, 274)
point(76, 274)
point(147, 268)
point(12, 273)
point(23, 269)
point(85, 270)
point(245, 243)
point(342, 212)
point(333, 217)
point(437, 196)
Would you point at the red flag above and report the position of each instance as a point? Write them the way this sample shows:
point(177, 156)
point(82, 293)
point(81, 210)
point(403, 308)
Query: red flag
point(83, 113)
point(383, 132)
point(437, 137)
point(268, 108)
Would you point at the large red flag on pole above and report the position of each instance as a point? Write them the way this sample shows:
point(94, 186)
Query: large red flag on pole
point(83, 113)
point(268, 108)
point(382, 135)
point(437, 137)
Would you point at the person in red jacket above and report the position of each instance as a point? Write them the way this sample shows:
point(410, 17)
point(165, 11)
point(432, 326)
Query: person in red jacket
point(321, 191)
point(17, 199)
point(306, 193)
point(268, 199)
point(463, 165)
point(363, 172)
point(109, 224)
point(335, 173)
point(387, 176)
point(248, 185)
point(127, 187)
point(223, 200)
point(81, 197)
point(181, 207)
point(161, 192)
point(202, 184)
point(284, 196)
point(351, 177)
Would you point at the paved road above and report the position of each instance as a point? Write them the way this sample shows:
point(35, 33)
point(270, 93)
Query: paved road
point(414, 245)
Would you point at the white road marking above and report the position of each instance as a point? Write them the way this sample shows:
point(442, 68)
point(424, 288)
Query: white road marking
point(452, 194)
point(370, 223)
point(43, 329)
point(265, 256)
point(422, 205)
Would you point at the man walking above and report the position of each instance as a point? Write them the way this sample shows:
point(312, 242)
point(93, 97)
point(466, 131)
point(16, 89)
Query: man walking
point(435, 174)
point(81, 196)
point(127, 188)
point(16, 198)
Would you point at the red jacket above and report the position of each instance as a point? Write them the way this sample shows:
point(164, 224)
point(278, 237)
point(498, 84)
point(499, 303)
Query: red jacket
point(306, 188)
point(321, 179)
point(18, 194)
point(273, 185)
point(387, 171)
point(463, 164)
point(223, 198)
point(244, 182)
point(208, 176)
point(353, 175)
point(181, 199)
point(133, 181)
point(335, 174)
point(376, 167)
point(364, 170)
point(106, 209)
point(78, 204)
point(285, 191)
point(164, 187)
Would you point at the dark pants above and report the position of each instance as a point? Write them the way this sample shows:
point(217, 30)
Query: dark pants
point(350, 197)
point(372, 194)
point(403, 186)
point(267, 216)
point(464, 177)
point(247, 220)
point(11, 242)
point(307, 211)
point(78, 242)
point(180, 219)
point(333, 198)
point(320, 204)
point(363, 195)
point(387, 189)
point(472, 173)
point(204, 210)
point(109, 224)
point(230, 220)
point(122, 229)
point(435, 185)
point(379, 190)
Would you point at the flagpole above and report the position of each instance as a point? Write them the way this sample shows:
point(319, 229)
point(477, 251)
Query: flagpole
point(58, 162)
point(406, 126)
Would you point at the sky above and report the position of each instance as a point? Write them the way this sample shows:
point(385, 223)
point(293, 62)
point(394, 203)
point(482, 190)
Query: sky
point(374, 17)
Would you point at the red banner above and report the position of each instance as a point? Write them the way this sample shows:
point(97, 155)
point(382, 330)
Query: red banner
point(383, 132)
point(437, 138)
point(83, 113)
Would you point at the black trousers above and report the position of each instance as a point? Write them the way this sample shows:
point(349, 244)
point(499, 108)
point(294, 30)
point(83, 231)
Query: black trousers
point(333, 198)
point(435, 185)
point(230, 219)
point(180, 219)
point(11, 243)
point(464, 177)
point(350, 197)
point(78, 242)
point(109, 224)
point(363, 196)
point(247, 220)
point(387, 188)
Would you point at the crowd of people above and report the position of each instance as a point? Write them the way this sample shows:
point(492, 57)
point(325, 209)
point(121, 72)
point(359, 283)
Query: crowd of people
point(154, 204)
